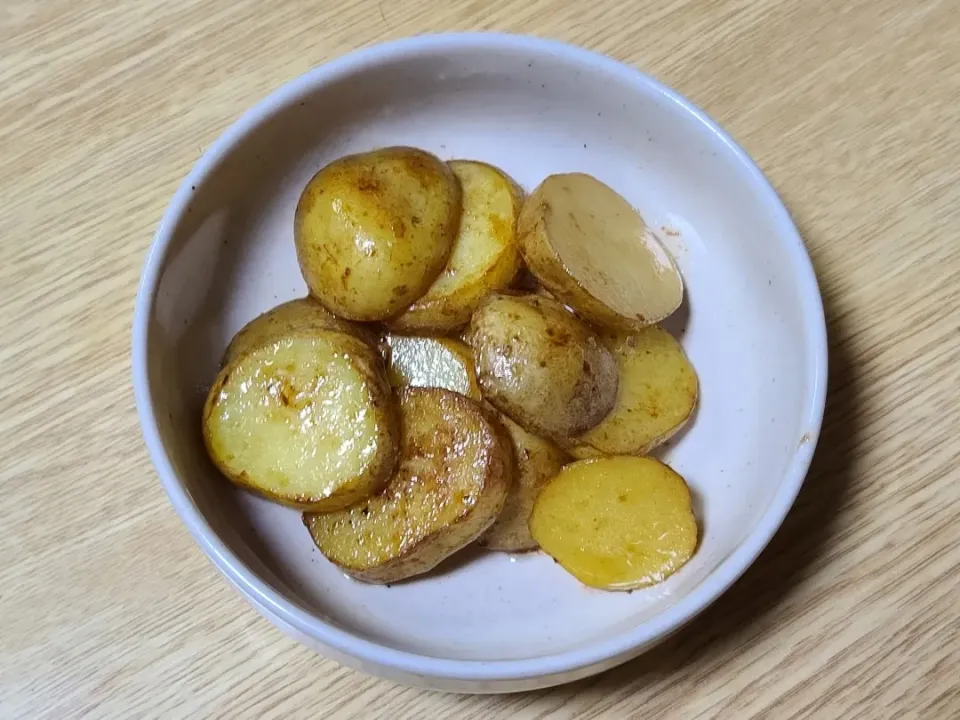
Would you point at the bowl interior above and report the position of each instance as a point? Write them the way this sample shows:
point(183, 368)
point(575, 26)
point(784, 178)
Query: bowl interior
point(748, 324)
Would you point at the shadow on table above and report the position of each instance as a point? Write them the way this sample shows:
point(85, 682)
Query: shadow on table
point(739, 616)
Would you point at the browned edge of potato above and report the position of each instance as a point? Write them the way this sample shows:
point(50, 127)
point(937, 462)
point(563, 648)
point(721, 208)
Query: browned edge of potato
point(594, 252)
point(454, 475)
point(262, 415)
point(300, 314)
point(541, 366)
point(485, 254)
point(374, 230)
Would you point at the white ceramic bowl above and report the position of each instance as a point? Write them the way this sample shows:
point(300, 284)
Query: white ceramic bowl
point(752, 324)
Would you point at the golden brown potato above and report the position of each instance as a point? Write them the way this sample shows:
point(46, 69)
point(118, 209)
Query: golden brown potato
point(454, 474)
point(616, 523)
point(374, 230)
point(541, 366)
point(594, 252)
point(658, 393)
point(301, 314)
point(432, 362)
point(485, 255)
point(537, 462)
point(306, 420)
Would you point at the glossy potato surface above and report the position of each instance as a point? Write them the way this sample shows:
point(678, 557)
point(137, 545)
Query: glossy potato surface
point(373, 231)
point(454, 474)
point(306, 420)
point(616, 523)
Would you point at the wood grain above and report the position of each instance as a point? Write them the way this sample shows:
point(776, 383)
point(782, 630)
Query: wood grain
point(107, 609)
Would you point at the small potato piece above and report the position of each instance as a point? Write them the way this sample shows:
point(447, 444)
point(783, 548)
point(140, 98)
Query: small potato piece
point(541, 366)
point(485, 255)
point(454, 474)
point(305, 420)
point(432, 362)
point(616, 523)
point(658, 393)
point(538, 461)
point(374, 230)
point(286, 319)
point(594, 252)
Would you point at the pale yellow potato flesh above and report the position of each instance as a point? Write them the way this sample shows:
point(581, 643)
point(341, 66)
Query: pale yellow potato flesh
point(657, 396)
point(537, 462)
point(306, 420)
point(373, 231)
point(454, 473)
point(431, 362)
point(285, 319)
point(485, 254)
point(594, 252)
point(616, 523)
point(541, 366)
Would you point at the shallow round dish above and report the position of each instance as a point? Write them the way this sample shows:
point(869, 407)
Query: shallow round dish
point(752, 324)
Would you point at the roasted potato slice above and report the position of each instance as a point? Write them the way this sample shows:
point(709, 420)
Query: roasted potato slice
point(541, 366)
point(485, 255)
point(285, 319)
point(432, 362)
point(537, 462)
point(373, 231)
point(448, 363)
point(454, 474)
point(657, 395)
point(616, 523)
point(594, 252)
point(306, 420)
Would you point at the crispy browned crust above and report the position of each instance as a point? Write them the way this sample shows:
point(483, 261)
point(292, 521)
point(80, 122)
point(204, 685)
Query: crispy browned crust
point(460, 414)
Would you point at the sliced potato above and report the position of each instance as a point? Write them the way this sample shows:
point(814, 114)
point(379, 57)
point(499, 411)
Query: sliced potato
point(301, 314)
point(454, 474)
point(541, 366)
point(305, 420)
point(616, 523)
point(594, 252)
point(432, 362)
point(537, 462)
point(658, 393)
point(485, 255)
point(373, 231)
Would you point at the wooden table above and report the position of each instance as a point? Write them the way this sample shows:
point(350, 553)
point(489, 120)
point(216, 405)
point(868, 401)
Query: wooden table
point(108, 609)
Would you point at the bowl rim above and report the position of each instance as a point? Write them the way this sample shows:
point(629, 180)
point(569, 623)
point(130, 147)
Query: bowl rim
point(620, 646)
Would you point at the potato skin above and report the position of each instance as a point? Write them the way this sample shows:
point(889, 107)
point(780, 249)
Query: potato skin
point(387, 440)
point(537, 462)
point(287, 318)
point(614, 261)
point(485, 256)
point(374, 230)
point(541, 366)
point(452, 482)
